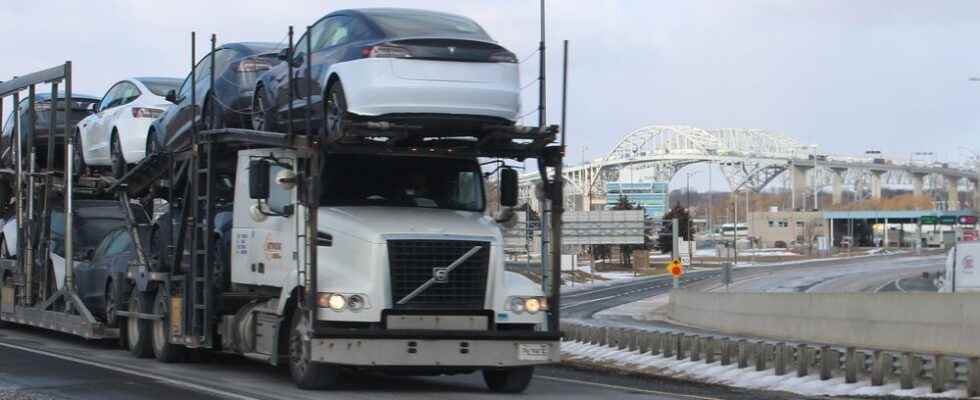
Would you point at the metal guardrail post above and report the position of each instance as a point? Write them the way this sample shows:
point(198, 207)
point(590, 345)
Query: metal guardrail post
point(802, 360)
point(911, 368)
point(973, 378)
point(881, 363)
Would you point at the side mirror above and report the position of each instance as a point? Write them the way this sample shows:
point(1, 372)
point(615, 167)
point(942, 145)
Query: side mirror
point(258, 179)
point(171, 96)
point(508, 187)
point(283, 54)
point(93, 107)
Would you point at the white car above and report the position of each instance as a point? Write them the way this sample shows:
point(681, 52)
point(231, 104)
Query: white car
point(115, 135)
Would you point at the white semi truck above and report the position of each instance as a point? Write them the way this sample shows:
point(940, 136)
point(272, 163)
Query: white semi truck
point(373, 251)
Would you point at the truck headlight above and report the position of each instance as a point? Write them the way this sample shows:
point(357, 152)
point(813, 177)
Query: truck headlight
point(333, 301)
point(342, 301)
point(528, 304)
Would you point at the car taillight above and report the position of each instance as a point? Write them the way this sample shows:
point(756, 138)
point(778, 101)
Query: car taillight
point(503, 56)
point(140, 112)
point(385, 51)
point(253, 65)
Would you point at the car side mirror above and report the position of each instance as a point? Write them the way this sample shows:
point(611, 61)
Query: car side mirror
point(508, 187)
point(283, 54)
point(171, 96)
point(258, 179)
point(93, 107)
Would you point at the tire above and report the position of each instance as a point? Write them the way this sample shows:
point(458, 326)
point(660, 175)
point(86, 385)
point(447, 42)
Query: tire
point(78, 156)
point(111, 304)
point(211, 116)
point(152, 143)
point(306, 374)
point(508, 380)
point(263, 111)
point(138, 330)
point(119, 166)
point(335, 118)
point(163, 350)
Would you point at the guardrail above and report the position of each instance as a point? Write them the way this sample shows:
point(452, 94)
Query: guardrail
point(785, 357)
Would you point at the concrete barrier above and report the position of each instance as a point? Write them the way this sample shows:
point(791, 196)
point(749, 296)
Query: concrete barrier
point(935, 323)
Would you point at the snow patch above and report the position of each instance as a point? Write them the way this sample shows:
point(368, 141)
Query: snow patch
point(731, 375)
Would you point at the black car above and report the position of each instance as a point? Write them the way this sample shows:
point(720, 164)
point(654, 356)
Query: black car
point(81, 106)
point(430, 70)
point(237, 66)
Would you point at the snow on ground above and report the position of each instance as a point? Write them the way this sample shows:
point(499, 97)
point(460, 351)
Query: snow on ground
point(606, 278)
point(731, 375)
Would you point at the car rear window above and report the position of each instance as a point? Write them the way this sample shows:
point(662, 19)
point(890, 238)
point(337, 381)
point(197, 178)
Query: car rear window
point(160, 87)
point(414, 24)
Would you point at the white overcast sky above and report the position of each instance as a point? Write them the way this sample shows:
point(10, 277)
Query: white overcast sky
point(845, 75)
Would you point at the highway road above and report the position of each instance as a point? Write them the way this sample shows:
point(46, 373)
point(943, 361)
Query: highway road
point(41, 365)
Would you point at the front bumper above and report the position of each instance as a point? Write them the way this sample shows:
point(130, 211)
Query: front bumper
point(461, 353)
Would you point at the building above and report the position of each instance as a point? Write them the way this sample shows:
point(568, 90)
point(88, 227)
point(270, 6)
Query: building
point(775, 228)
point(651, 196)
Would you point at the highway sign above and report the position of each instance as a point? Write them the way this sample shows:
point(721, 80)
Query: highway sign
point(948, 220)
point(676, 268)
point(968, 220)
point(928, 220)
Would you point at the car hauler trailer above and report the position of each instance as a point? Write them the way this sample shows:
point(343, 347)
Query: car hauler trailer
point(260, 253)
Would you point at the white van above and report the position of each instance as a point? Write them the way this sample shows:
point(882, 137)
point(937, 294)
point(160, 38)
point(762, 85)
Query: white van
point(962, 269)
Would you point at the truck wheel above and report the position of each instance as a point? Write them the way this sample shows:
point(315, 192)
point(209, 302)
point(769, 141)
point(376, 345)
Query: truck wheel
point(163, 350)
point(508, 380)
point(138, 330)
point(307, 374)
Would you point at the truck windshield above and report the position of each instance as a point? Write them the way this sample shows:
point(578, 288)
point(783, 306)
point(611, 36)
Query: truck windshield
point(360, 180)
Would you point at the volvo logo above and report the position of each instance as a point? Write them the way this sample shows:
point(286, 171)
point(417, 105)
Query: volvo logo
point(441, 275)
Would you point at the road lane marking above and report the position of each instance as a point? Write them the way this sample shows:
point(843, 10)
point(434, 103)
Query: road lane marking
point(170, 381)
point(624, 388)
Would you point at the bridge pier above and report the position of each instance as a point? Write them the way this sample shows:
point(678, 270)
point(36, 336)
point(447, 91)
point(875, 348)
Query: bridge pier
point(952, 193)
point(976, 194)
point(876, 183)
point(918, 183)
point(798, 175)
point(837, 178)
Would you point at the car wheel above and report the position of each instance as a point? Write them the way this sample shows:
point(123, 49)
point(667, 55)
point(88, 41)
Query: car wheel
point(508, 380)
point(111, 304)
point(163, 350)
point(263, 111)
point(211, 117)
point(138, 330)
point(78, 156)
point(335, 113)
point(307, 375)
point(116, 154)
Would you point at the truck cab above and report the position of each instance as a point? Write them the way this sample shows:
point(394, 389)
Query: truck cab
point(410, 268)
point(961, 273)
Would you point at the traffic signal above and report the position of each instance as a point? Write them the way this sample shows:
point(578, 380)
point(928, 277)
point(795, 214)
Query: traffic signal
point(675, 268)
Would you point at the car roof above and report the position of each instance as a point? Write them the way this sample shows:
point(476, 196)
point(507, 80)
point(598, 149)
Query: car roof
point(79, 96)
point(254, 47)
point(155, 79)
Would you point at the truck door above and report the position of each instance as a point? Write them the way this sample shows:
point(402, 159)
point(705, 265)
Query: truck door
point(265, 247)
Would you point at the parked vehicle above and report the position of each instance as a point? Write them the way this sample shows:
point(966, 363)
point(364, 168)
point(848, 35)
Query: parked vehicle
point(422, 68)
point(237, 67)
point(962, 273)
point(81, 107)
point(96, 279)
point(115, 135)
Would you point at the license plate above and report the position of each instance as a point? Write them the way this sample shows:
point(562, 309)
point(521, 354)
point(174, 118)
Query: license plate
point(533, 352)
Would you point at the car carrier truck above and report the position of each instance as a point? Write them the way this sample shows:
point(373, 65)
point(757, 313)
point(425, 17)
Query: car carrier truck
point(368, 251)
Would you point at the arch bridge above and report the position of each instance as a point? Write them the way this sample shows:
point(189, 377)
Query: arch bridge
point(750, 160)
